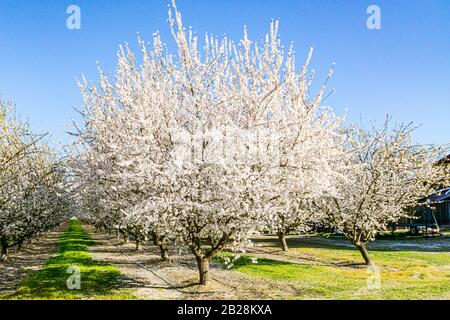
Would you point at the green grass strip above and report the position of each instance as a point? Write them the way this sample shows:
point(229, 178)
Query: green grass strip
point(404, 275)
point(99, 280)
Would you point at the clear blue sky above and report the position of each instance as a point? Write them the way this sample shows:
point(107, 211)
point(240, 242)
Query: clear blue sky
point(402, 69)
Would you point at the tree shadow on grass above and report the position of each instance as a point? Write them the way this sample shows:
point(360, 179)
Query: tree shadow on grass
point(441, 244)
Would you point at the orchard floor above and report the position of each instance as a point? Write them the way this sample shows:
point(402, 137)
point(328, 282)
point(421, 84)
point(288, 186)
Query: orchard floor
point(30, 259)
point(149, 278)
point(314, 268)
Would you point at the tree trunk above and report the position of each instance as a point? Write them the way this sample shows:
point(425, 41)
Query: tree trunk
point(363, 250)
point(4, 253)
point(159, 241)
point(203, 269)
point(283, 243)
point(137, 244)
point(18, 246)
point(164, 251)
point(125, 238)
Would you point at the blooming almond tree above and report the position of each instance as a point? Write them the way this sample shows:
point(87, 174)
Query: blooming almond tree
point(385, 174)
point(183, 146)
point(31, 183)
point(256, 89)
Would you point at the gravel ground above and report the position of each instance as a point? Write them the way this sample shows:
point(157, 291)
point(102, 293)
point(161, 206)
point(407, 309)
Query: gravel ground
point(29, 259)
point(150, 278)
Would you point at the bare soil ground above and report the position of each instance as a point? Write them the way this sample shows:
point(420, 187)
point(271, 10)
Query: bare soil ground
point(150, 278)
point(30, 259)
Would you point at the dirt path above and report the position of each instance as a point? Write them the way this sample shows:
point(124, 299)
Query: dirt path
point(28, 260)
point(149, 278)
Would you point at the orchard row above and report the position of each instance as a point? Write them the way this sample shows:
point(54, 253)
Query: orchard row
point(32, 183)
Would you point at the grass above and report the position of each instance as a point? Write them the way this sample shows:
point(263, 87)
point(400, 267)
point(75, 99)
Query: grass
point(404, 274)
point(99, 280)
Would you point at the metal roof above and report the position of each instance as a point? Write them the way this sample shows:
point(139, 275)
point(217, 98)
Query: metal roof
point(440, 195)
